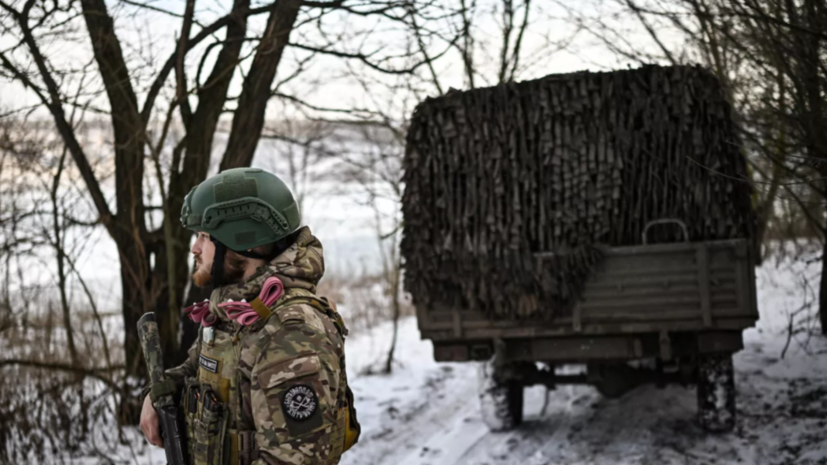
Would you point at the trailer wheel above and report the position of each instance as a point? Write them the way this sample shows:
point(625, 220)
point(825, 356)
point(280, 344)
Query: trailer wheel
point(501, 400)
point(716, 393)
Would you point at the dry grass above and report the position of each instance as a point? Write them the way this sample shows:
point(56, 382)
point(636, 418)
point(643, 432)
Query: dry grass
point(363, 300)
point(49, 405)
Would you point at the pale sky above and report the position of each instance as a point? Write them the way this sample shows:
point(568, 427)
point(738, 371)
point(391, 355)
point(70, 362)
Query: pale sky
point(148, 38)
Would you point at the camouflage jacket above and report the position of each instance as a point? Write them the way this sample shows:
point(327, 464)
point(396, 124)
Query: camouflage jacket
point(296, 353)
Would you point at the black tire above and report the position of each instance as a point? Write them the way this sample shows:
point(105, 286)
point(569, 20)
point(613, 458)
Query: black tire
point(501, 401)
point(716, 393)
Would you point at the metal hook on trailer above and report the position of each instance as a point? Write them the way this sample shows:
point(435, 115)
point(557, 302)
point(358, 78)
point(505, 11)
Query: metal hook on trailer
point(665, 221)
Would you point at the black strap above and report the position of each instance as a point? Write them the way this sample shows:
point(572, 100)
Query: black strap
point(248, 254)
point(247, 448)
point(217, 270)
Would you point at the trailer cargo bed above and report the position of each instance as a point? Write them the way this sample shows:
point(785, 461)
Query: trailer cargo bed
point(679, 287)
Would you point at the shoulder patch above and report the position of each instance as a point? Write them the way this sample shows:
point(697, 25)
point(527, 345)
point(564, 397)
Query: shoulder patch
point(300, 402)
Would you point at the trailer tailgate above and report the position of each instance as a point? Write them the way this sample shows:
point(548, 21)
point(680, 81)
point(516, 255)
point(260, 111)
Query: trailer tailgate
point(700, 286)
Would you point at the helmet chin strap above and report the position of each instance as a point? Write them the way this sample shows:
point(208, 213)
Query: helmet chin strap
point(217, 270)
point(248, 254)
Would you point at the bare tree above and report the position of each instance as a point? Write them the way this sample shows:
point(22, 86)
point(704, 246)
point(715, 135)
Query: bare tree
point(153, 265)
point(299, 147)
point(377, 171)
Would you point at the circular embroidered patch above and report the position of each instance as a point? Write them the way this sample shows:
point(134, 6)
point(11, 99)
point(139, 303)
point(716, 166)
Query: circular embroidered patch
point(300, 402)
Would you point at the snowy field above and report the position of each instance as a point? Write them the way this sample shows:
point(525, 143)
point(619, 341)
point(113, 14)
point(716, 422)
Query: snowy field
point(427, 412)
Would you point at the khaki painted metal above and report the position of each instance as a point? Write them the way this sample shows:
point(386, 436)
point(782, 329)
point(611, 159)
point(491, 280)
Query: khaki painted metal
point(661, 288)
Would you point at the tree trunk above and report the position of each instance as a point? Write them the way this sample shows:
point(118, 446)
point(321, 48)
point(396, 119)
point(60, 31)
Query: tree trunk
point(167, 295)
point(255, 94)
point(199, 144)
point(822, 294)
point(395, 278)
point(134, 303)
point(809, 68)
point(822, 297)
point(129, 228)
point(394, 337)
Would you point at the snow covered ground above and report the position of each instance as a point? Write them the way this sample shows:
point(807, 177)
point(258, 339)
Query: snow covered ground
point(426, 413)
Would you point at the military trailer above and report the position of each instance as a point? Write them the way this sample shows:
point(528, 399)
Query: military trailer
point(597, 219)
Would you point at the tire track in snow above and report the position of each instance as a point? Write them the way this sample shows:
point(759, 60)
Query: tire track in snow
point(526, 444)
point(782, 411)
point(406, 433)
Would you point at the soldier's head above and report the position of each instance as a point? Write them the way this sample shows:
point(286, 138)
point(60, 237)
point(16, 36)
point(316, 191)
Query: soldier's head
point(237, 267)
point(243, 217)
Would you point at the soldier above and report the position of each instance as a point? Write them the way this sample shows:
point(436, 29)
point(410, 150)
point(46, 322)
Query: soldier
point(271, 391)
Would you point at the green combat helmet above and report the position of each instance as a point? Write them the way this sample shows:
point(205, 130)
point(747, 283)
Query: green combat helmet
point(241, 208)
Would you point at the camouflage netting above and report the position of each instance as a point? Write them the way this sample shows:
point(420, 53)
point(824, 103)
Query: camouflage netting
point(562, 164)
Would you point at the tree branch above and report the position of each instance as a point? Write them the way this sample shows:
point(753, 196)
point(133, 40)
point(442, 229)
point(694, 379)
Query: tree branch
point(53, 103)
point(247, 125)
point(519, 42)
point(158, 83)
point(93, 372)
point(182, 94)
point(652, 33)
point(349, 111)
point(366, 58)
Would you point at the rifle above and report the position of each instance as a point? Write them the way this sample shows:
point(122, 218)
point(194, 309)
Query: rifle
point(163, 392)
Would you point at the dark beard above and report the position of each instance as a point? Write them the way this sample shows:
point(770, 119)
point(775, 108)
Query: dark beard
point(233, 268)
